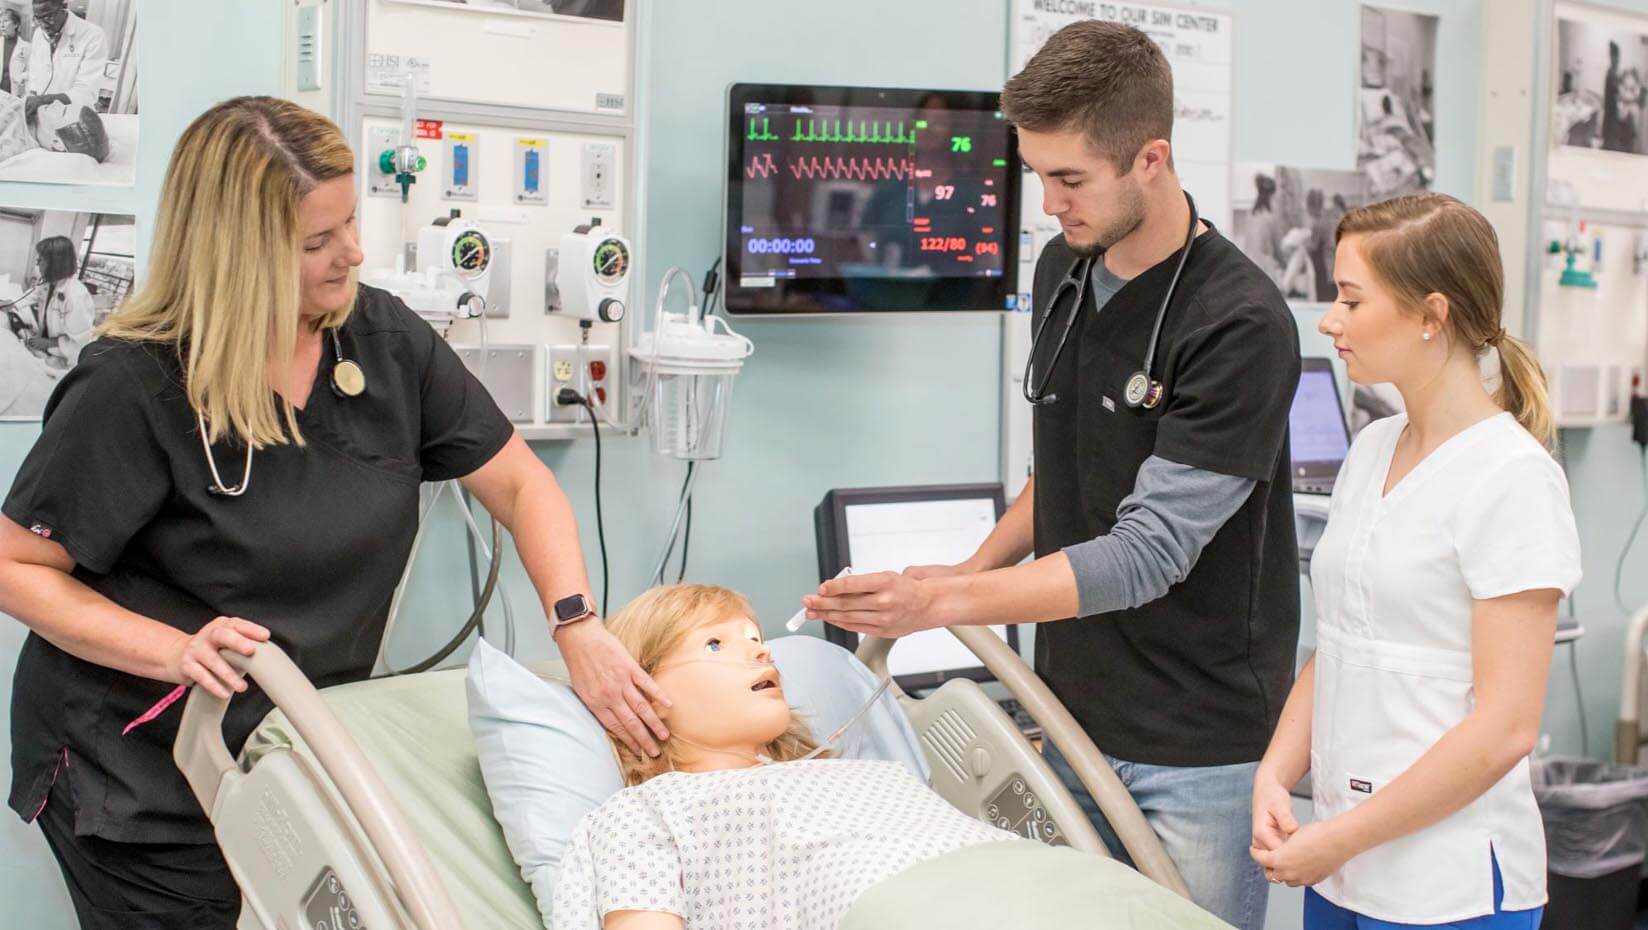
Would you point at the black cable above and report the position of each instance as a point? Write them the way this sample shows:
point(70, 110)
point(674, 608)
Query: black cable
point(686, 540)
point(681, 500)
point(712, 287)
point(1579, 699)
point(474, 621)
point(1631, 541)
point(474, 564)
point(600, 521)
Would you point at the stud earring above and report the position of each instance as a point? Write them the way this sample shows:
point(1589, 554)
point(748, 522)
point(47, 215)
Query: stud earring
point(1427, 337)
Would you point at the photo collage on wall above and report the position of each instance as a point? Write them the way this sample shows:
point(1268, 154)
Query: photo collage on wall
point(1284, 216)
point(68, 116)
point(1601, 87)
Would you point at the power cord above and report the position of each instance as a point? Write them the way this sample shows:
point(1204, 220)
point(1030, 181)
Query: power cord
point(567, 397)
point(712, 287)
point(1631, 540)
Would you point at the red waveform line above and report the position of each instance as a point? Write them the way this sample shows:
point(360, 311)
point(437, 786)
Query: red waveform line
point(761, 166)
point(856, 169)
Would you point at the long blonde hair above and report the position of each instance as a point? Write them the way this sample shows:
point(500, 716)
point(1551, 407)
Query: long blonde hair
point(651, 627)
point(1428, 244)
point(222, 287)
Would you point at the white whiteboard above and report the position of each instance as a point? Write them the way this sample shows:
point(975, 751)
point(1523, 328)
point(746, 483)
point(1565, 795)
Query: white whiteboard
point(1199, 46)
point(477, 54)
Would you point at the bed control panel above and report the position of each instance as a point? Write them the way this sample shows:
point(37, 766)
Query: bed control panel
point(327, 905)
point(982, 764)
point(1017, 809)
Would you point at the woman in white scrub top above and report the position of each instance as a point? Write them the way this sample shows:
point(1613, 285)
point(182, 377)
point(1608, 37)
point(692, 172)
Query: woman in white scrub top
point(1450, 541)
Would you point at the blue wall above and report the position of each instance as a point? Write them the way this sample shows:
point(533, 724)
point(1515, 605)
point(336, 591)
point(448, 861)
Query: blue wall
point(838, 403)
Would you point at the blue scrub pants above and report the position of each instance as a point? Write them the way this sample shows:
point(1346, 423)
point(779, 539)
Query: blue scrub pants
point(1321, 914)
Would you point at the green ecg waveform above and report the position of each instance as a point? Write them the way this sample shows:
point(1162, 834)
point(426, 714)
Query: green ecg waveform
point(764, 134)
point(868, 132)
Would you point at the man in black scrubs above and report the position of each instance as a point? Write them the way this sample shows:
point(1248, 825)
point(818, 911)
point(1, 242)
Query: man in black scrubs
point(1161, 515)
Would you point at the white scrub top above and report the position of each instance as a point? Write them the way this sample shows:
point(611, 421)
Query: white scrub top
point(75, 69)
point(1483, 516)
point(69, 317)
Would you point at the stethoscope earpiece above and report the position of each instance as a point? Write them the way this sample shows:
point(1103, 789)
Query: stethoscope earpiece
point(348, 380)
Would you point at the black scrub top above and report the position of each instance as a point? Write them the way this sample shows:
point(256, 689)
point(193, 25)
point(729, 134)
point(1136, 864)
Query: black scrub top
point(1197, 677)
point(313, 550)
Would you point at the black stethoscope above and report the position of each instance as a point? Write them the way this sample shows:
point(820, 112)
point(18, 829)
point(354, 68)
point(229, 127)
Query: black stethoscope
point(348, 380)
point(1142, 390)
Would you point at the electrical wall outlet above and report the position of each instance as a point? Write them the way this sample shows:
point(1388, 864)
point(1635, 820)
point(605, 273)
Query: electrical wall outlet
point(600, 166)
point(590, 370)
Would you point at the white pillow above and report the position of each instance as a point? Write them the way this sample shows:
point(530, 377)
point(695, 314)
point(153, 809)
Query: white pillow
point(545, 758)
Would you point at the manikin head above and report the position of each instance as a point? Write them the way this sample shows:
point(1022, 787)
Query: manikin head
point(1094, 114)
point(702, 644)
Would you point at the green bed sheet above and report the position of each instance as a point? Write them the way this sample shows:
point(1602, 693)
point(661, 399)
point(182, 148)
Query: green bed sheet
point(1023, 886)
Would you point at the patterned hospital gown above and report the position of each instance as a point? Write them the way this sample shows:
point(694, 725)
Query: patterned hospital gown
point(786, 845)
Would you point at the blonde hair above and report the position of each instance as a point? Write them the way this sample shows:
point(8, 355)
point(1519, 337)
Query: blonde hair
point(222, 287)
point(1428, 244)
point(651, 627)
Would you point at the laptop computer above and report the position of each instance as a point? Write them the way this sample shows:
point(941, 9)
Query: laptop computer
point(1318, 434)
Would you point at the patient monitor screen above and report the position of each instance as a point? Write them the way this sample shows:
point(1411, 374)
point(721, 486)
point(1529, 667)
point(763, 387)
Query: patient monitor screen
point(853, 199)
point(891, 537)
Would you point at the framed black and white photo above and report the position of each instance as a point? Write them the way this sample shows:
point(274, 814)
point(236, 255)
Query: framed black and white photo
point(1396, 102)
point(61, 274)
point(611, 11)
point(1601, 86)
point(68, 91)
point(1284, 219)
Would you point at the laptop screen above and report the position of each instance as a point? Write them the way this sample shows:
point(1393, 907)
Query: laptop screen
point(1317, 433)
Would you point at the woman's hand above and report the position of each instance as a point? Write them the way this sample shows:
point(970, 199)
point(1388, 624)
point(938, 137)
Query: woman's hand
point(1273, 820)
point(196, 659)
point(614, 688)
point(1308, 857)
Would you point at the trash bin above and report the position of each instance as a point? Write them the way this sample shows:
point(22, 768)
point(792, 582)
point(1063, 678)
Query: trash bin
point(1596, 834)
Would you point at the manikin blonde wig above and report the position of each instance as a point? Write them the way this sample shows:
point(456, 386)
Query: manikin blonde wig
point(222, 288)
point(651, 627)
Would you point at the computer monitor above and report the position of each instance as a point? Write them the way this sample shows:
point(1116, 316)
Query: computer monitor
point(862, 199)
point(1318, 435)
point(891, 529)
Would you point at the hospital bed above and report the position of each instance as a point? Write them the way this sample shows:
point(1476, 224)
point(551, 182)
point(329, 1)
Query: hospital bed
point(364, 806)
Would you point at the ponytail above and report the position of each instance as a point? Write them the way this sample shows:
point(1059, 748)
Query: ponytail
point(1522, 390)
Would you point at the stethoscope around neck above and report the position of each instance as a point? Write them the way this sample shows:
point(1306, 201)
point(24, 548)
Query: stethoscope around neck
point(348, 380)
point(1142, 389)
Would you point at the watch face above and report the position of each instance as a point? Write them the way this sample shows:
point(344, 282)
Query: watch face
point(571, 608)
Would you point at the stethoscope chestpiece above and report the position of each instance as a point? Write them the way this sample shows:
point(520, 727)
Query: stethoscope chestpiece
point(1142, 391)
point(348, 380)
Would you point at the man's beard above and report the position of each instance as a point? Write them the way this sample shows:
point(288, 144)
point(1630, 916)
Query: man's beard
point(1129, 215)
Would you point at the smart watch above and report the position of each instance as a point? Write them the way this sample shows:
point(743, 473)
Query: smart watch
point(570, 610)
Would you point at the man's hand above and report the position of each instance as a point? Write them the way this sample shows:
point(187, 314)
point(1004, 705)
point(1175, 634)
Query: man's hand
point(921, 572)
point(612, 685)
point(885, 604)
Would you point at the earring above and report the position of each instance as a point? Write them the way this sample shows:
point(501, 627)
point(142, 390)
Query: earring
point(1427, 337)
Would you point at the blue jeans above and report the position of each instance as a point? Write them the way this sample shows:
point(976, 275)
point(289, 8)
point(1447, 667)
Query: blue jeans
point(1204, 817)
point(1322, 914)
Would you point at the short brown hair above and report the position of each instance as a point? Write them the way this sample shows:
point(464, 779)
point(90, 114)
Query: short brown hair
point(1107, 80)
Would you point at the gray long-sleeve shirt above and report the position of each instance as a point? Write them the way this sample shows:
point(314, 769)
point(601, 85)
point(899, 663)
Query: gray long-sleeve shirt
point(1161, 528)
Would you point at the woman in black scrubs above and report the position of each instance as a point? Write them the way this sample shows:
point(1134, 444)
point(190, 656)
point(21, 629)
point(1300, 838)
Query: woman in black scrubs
point(134, 555)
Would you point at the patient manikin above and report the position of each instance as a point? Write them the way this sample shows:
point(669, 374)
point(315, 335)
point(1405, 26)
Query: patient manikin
point(56, 127)
point(744, 821)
